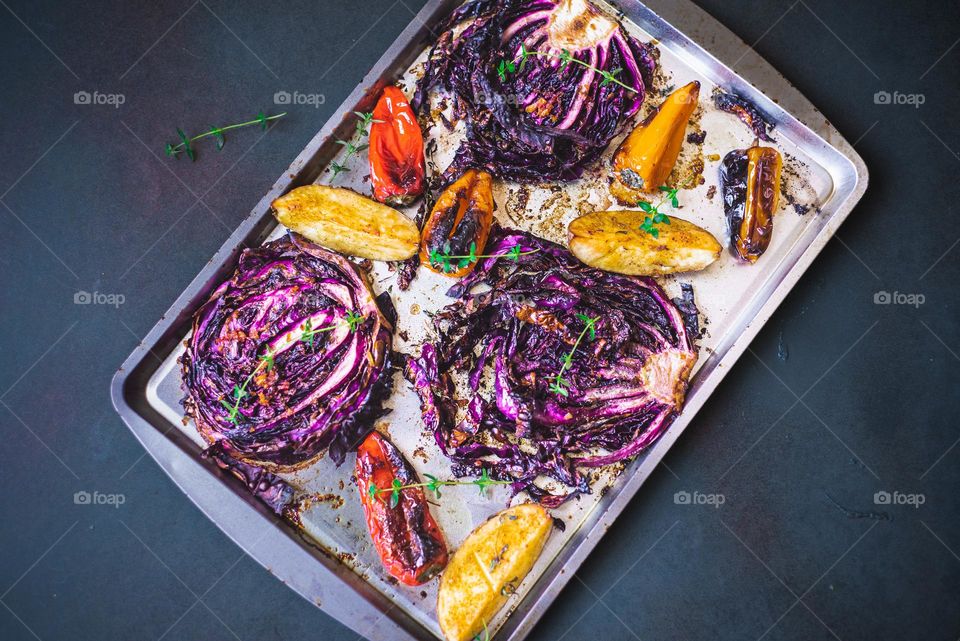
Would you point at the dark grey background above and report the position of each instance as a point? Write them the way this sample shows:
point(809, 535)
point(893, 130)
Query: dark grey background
point(839, 398)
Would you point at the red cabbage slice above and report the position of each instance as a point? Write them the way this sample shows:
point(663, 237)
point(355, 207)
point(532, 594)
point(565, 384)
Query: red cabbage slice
point(544, 120)
point(317, 395)
point(511, 325)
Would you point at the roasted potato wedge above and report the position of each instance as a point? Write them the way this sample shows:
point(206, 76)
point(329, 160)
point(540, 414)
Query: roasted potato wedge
point(490, 563)
point(345, 221)
point(614, 242)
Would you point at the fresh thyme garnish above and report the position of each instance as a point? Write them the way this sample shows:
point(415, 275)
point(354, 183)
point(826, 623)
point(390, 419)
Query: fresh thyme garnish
point(510, 66)
point(352, 320)
point(186, 143)
point(559, 384)
point(352, 146)
point(485, 633)
point(495, 561)
point(433, 484)
point(657, 217)
point(450, 263)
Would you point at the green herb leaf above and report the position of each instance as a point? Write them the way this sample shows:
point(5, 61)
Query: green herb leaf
point(186, 145)
point(267, 359)
point(353, 320)
point(217, 133)
point(524, 54)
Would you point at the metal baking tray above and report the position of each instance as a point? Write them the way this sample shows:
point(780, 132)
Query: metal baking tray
point(330, 561)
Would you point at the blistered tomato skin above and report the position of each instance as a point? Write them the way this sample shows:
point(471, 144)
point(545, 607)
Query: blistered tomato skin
point(397, 166)
point(410, 545)
point(750, 184)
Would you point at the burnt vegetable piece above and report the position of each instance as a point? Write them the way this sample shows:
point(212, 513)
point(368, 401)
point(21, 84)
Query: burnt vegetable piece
point(647, 156)
point(459, 225)
point(407, 538)
point(750, 184)
point(397, 166)
point(745, 111)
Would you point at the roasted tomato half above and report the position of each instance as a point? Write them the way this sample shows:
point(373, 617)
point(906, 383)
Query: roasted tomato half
point(407, 538)
point(397, 166)
point(458, 227)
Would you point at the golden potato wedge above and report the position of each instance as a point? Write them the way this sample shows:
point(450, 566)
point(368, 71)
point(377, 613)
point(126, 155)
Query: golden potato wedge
point(345, 221)
point(486, 569)
point(614, 242)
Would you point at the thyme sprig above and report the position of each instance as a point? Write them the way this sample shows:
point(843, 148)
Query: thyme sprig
point(559, 385)
point(449, 262)
point(186, 143)
point(508, 66)
point(657, 217)
point(485, 633)
point(266, 361)
point(433, 484)
point(353, 146)
point(352, 320)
